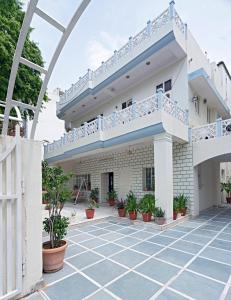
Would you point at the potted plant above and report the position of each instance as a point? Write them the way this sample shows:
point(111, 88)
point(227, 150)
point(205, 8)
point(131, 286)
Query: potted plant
point(121, 208)
point(55, 225)
point(147, 207)
point(182, 204)
point(131, 205)
point(175, 208)
point(90, 210)
point(159, 216)
point(112, 197)
point(226, 186)
point(94, 195)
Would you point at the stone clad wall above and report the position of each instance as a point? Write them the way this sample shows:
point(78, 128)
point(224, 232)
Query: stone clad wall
point(183, 176)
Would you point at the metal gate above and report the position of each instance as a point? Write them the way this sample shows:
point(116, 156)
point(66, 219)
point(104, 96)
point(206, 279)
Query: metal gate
point(10, 216)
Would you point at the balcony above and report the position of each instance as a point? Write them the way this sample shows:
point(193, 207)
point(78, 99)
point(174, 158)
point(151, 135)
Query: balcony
point(168, 22)
point(145, 118)
point(212, 141)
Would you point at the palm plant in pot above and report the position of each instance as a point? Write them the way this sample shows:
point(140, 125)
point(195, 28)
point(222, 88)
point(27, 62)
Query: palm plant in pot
point(147, 207)
point(112, 197)
point(175, 208)
point(226, 186)
point(55, 225)
point(182, 204)
point(95, 194)
point(90, 210)
point(121, 208)
point(131, 205)
point(159, 216)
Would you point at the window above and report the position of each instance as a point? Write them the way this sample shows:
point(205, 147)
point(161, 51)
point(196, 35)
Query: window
point(83, 182)
point(126, 103)
point(165, 86)
point(148, 179)
point(208, 115)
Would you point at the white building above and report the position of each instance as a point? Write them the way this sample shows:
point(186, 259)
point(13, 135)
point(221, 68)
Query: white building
point(153, 116)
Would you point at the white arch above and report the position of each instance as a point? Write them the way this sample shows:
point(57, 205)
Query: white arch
point(31, 10)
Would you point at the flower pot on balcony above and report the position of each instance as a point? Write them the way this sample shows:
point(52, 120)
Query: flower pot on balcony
point(53, 257)
point(121, 212)
point(90, 213)
point(228, 199)
point(147, 217)
point(111, 202)
point(132, 215)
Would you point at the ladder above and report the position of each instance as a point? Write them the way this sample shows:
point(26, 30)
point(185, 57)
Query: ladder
point(31, 10)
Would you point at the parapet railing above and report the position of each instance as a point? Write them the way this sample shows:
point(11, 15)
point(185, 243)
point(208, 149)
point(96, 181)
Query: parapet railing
point(211, 131)
point(151, 29)
point(139, 109)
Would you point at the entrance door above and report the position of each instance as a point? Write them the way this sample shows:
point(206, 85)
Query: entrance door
point(110, 182)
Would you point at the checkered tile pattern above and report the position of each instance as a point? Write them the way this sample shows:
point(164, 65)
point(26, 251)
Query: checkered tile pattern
point(116, 259)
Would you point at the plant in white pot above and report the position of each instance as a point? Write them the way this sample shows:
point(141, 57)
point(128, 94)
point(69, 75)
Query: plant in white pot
point(159, 216)
point(56, 225)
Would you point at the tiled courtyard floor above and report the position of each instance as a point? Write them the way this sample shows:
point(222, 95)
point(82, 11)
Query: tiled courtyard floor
point(115, 259)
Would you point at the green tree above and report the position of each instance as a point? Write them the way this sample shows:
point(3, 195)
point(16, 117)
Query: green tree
point(28, 81)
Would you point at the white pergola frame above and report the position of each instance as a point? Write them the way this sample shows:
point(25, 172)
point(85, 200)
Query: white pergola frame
point(10, 103)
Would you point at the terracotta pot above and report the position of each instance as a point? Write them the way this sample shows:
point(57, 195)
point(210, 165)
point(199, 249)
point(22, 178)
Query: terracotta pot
point(132, 215)
point(228, 199)
point(111, 202)
point(45, 201)
point(183, 211)
point(121, 212)
point(53, 258)
point(147, 217)
point(89, 213)
point(175, 215)
point(160, 220)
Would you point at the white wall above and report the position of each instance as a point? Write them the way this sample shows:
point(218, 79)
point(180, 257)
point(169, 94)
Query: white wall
point(176, 72)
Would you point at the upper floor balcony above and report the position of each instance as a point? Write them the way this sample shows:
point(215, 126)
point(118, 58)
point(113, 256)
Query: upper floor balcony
point(143, 119)
point(161, 42)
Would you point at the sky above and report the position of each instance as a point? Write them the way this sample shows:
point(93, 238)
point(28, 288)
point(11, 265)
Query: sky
point(106, 25)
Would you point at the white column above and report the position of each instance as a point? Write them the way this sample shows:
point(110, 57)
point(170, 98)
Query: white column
point(164, 173)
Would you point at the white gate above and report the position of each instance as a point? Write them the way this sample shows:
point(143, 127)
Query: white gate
point(10, 217)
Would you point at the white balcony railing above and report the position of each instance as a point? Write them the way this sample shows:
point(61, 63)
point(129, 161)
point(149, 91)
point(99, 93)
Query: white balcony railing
point(140, 109)
point(212, 130)
point(151, 29)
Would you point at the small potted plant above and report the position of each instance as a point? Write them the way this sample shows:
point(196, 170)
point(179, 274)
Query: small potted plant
point(159, 216)
point(55, 225)
point(90, 210)
point(147, 207)
point(94, 195)
point(112, 197)
point(182, 204)
point(121, 208)
point(131, 205)
point(175, 208)
point(226, 186)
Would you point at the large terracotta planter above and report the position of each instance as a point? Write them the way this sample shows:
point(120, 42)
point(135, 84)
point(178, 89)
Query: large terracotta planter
point(111, 202)
point(228, 199)
point(147, 217)
point(160, 220)
point(121, 212)
point(90, 213)
point(175, 215)
point(53, 258)
point(132, 215)
point(183, 211)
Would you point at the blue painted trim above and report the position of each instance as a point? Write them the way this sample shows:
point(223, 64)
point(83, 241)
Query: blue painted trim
point(202, 73)
point(168, 38)
point(137, 134)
